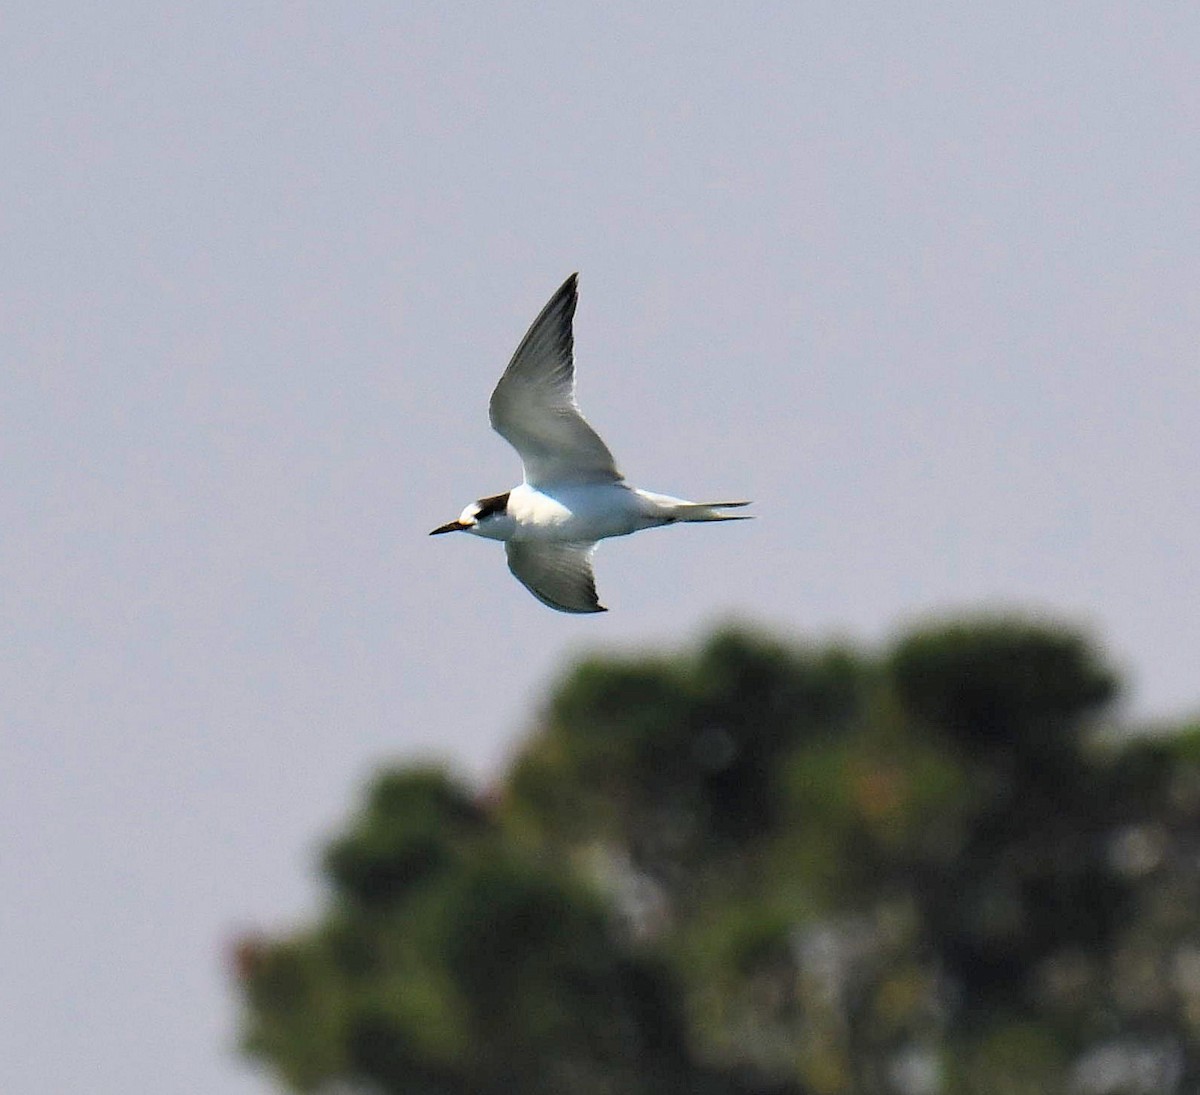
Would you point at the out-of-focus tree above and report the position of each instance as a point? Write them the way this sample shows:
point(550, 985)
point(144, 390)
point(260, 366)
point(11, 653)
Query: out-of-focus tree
point(758, 868)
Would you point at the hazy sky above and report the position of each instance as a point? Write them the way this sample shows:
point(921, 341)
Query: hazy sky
point(921, 279)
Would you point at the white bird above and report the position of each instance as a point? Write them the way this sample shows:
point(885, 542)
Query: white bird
point(573, 495)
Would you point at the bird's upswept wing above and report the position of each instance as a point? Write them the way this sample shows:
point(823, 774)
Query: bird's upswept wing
point(533, 407)
point(558, 575)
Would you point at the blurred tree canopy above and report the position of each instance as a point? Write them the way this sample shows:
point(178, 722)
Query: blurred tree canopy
point(760, 868)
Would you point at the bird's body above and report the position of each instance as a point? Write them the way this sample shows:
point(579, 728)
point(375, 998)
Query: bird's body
point(573, 495)
point(579, 513)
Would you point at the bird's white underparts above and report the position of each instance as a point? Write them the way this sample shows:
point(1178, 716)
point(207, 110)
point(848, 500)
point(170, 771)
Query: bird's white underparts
point(573, 495)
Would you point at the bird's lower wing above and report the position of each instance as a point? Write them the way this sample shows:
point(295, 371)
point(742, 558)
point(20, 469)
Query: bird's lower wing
point(558, 575)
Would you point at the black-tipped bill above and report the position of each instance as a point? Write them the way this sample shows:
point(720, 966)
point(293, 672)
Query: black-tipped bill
point(454, 526)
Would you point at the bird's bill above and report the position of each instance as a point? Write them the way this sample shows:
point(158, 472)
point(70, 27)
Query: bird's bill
point(454, 526)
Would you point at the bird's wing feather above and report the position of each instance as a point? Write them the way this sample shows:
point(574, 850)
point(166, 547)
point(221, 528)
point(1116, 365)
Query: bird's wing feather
point(558, 575)
point(533, 407)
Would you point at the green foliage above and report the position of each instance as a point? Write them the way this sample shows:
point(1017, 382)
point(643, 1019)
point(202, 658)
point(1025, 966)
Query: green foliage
point(454, 963)
point(761, 869)
point(416, 827)
point(1006, 687)
point(677, 761)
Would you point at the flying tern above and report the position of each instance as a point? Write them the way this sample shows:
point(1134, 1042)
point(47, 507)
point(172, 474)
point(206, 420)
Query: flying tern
point(573, 495)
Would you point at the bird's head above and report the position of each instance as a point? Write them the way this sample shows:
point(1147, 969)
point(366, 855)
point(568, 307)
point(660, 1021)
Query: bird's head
point(481, 517)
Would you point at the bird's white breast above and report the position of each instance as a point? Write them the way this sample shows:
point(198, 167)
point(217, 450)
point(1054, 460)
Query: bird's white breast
point(580, 513)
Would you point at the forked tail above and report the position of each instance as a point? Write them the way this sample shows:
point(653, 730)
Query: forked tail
point(707, 511)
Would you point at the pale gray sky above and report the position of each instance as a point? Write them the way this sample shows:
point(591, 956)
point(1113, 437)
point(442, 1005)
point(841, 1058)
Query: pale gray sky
point(921, 279)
